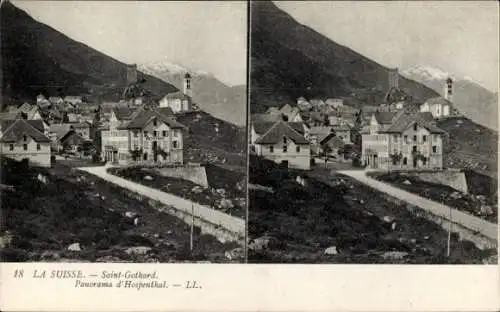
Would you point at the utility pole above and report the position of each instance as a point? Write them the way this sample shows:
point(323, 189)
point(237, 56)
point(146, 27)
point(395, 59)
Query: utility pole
point(449, 237)
point(192, 228)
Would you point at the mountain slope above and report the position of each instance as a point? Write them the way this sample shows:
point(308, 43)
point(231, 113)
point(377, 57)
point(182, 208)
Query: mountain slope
point(289, 60)
point(213, 96)
point(38, 59)
point(470, 98)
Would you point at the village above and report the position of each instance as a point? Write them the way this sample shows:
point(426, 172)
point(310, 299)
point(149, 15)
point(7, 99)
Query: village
point(139, 144)
point(360, 167)
point(397, 134)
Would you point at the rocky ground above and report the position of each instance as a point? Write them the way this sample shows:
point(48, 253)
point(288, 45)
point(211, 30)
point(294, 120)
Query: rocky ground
point(342, 222)
point(226, 192)
point(483, 205)
point(60, 214)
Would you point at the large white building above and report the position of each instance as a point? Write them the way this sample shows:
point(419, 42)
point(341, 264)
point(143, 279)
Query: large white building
point(440, 107)
point(143, 136)
point(180, 101)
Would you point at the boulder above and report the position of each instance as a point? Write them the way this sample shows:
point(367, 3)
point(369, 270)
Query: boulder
point(234, 254)
point(221, 191)
point(148, 177)
point(226, 203)
point(139, 250)
point(486, 210)
point(394, 255)
point(260, 243)
point(407, 182)
point(389, 219)
point(74, 247)
point(331, 250)
point(42, 178)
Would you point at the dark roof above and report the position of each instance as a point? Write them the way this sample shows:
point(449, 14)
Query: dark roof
point(60, 129)
point(332, 139)
point(279, 130)
point(261, 127)
point(438, 100)
point(122, 112)
point(265, 117)
point(177, 95)
point(36, 123)
point(20, 127)
point(406, 120)
point(145, 116)
point(167, 111)
point(384, 117)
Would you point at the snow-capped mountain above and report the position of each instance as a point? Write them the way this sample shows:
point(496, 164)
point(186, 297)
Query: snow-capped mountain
point(469, 97)
point(213, 96)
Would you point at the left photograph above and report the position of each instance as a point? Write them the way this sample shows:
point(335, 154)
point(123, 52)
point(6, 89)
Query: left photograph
point(123, 131)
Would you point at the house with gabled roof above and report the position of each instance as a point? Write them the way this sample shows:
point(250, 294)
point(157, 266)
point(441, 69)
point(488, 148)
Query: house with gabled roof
point(147, 135)
point(402, 140)
point(24, 139)
point(282, 143)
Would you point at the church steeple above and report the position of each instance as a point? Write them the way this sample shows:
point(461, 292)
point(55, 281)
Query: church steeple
point(187, 85)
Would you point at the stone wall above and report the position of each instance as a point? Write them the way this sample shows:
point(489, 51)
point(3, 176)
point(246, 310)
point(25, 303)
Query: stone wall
point(222, 234)
point(482, 242)
point(454, 179)
point(195, 174)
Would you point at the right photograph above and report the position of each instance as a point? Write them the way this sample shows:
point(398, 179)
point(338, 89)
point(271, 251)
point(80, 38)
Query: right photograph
point(373, 132)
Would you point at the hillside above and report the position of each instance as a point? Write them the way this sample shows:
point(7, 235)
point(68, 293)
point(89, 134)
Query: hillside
point(289, 60)
point(213, 96)
point(470, 98)
point(38, 59)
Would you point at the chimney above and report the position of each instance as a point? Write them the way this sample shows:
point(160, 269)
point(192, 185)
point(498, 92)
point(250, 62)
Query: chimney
point(187, 85)
point(131, 74)
point(393, 78)
point(448, 90)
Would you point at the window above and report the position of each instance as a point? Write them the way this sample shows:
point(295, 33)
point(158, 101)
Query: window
point(414, 149)
point(135, 134)
point(25, 138)
point(297, 149)
point(38, 146)
point(424, 138)
point(164, 133)
point(25, 147)
point(405, 161)
point(175, 133)
point(174, 144)
point(415, 127)
point(155, 123)
point(414, 138)
point(434, 149)
point(285, 148)
point(395, 137)
point(405, 138)
point(271, 149)
point(11, 147)
point(284, 140)
point(155, 134)
point(145, 133)
point(145, 157)
point(424, 161)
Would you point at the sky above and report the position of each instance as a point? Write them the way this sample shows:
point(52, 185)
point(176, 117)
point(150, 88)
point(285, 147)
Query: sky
point(209, 36)
point(459, 37)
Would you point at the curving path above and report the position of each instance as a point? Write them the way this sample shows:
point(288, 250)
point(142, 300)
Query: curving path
point(471, 222)
point(230, 223)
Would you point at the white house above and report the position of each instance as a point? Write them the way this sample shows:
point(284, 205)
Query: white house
point(282, 144)
point(440, 107)
point(24, 139)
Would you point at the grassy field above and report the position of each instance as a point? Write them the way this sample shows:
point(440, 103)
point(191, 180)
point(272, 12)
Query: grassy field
point(43, 219)
point(470, 203)
point(218, 178)
point(305, 220)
